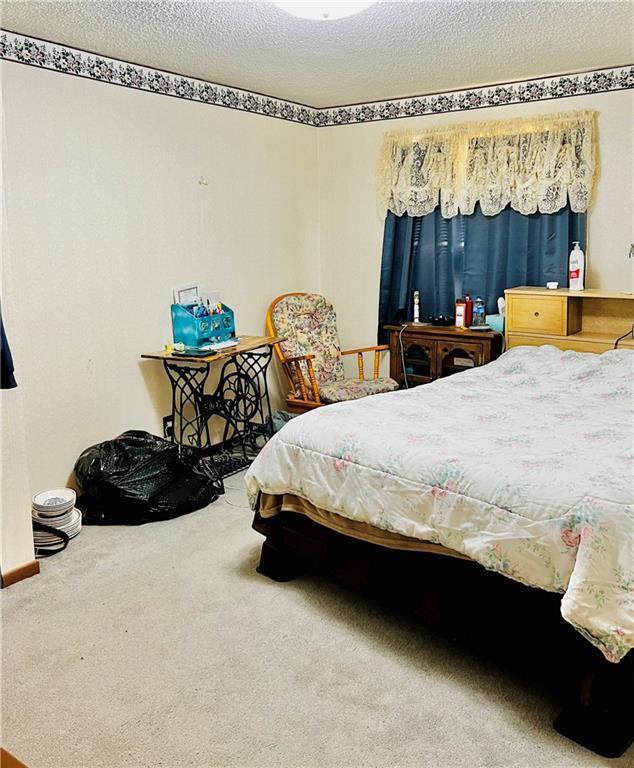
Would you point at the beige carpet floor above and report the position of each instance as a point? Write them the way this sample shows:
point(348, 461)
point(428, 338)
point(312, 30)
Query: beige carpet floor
point(161, 646)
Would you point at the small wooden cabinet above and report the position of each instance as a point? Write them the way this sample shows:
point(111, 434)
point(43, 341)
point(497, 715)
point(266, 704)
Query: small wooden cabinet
point(585, 321)
point(432, 352)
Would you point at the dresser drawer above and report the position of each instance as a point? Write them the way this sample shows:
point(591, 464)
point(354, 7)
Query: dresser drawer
point(570, 342)
point(538, 314)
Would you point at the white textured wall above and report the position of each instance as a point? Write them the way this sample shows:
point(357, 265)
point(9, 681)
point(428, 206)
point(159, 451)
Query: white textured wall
point(351, 227)
point(16, 534)
point(105, 215)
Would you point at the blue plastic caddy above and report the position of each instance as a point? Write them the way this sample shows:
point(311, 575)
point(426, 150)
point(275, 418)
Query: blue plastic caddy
point(197, 331)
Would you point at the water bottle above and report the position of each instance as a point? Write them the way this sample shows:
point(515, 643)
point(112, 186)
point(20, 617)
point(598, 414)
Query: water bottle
point(479, 312)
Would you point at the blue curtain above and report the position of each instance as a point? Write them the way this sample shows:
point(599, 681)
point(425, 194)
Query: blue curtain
point(476, 254)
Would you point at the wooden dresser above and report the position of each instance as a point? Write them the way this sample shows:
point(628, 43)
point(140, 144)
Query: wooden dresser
point(585, 321)
point(431, 351)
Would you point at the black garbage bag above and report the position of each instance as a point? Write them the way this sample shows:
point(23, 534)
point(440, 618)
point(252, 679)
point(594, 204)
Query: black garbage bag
point(137, 478)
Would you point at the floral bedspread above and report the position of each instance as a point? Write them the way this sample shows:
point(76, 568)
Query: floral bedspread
point(525, 465)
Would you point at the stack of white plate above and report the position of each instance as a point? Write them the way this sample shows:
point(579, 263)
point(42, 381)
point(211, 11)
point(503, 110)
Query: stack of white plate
point(56, 509)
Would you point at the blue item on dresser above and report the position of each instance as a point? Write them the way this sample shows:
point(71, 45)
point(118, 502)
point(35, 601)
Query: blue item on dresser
point(196, 331)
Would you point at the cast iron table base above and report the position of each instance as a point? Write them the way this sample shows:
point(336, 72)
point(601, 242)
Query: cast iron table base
point(241, 399)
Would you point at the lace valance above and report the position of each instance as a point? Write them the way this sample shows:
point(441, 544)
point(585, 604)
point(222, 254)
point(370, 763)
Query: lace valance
point(535, 164)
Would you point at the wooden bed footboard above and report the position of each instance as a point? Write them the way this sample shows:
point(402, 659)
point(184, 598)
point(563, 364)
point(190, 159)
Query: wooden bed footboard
point(459, 598)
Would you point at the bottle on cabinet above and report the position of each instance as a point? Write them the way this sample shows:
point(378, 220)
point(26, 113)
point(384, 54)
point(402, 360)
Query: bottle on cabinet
point(576, 268)
point(461, 313)
point(468, 320)
point(479, 312)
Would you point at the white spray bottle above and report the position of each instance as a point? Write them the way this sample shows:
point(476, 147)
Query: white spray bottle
point(576, 268)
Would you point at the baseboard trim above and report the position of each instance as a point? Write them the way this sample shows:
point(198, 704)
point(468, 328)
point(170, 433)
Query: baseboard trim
point(19, 573)
point(7, 760)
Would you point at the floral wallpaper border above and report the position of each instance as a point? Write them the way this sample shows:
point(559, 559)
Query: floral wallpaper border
point(72, 61)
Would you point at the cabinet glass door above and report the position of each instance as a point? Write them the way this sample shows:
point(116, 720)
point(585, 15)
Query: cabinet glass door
point(419, 358)
point(457, 357)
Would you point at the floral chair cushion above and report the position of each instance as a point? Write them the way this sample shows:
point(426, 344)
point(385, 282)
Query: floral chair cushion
point(309, 325)
point(353, 389)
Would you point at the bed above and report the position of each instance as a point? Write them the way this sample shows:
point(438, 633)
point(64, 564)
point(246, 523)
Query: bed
point(523, 466)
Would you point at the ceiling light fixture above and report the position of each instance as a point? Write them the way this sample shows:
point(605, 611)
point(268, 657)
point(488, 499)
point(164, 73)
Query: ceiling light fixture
point(328, 10)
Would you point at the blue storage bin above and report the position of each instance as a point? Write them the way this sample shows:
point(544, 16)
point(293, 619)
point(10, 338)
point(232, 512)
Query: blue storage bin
point(197, 331)
point(496, 322)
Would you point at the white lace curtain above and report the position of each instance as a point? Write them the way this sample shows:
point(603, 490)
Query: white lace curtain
point(535, 164)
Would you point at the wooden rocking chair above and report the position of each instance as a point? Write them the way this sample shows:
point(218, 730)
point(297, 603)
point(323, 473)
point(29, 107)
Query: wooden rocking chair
point(310, 354)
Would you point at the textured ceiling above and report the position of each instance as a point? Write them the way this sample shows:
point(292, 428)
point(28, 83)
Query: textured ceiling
point(391, 50)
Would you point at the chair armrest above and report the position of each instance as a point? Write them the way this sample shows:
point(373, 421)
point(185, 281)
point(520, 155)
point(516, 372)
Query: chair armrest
point(359, 353)
point(299, 358)
point(377, 348)
point(293, 368)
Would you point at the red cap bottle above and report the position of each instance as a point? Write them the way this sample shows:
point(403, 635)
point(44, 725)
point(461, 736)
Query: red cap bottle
point(468, 320)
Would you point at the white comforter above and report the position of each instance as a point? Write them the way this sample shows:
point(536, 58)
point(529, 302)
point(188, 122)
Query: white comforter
point(524, 465)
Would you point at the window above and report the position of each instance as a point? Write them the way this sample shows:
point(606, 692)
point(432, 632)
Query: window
point(475, 254)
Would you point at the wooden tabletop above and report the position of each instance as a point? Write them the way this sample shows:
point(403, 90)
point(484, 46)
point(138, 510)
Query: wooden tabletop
point(446, 330)
point(589, 293)
point(245, 344)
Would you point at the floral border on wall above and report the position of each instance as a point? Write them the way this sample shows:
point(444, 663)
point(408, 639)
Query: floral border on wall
point(72, 61)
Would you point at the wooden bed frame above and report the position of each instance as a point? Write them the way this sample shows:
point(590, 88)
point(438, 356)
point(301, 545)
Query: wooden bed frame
point(596, 695)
